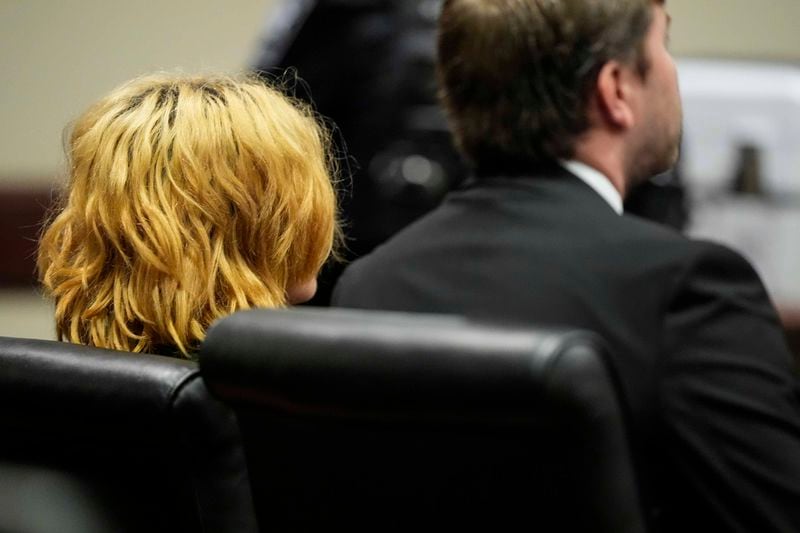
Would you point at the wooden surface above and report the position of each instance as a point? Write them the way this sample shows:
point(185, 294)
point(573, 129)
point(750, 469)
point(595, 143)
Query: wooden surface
point(791, 325)
point(21, 217)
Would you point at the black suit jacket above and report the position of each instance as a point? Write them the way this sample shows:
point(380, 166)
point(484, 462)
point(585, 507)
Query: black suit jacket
point(705, 372)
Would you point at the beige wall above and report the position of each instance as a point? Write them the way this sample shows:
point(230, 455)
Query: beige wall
point(762, 29)
point(57, 56)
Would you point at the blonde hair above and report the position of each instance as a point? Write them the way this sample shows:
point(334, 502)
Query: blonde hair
point(189, 197)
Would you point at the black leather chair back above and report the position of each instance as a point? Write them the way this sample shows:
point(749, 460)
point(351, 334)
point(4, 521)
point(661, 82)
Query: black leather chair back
point(388, 421)
point(98, 440)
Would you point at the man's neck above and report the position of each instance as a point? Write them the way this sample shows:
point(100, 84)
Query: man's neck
point(597, 181)
point(605, 156)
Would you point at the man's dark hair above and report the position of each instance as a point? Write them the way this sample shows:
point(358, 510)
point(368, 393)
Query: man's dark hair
point(515, 76)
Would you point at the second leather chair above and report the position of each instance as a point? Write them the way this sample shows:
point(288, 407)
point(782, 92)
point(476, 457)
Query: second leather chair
point(387, 421)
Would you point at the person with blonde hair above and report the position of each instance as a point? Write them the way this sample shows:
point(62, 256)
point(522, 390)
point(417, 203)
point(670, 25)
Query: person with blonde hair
point(189, 197)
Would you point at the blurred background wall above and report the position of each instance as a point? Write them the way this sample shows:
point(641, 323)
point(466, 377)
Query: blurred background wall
point(744, 29)
point(57, 57)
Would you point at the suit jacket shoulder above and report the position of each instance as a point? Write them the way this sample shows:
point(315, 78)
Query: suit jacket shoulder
point(704, 368)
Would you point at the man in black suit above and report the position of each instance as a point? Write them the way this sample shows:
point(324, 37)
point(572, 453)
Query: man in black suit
point(561, 106)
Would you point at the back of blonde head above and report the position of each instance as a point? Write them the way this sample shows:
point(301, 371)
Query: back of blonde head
point(188, 198)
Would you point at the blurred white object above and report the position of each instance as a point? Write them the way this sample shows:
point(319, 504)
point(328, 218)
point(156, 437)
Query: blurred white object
point(767, 234)
point(731, 104)
point(730, 109)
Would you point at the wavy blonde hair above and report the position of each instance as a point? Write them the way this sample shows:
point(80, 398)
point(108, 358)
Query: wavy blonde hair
point(189, 197)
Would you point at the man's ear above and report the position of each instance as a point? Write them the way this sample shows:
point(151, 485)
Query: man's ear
point(615, 92)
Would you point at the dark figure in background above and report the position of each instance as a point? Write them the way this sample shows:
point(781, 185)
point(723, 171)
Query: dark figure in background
point(558, 133)
point(369, 66)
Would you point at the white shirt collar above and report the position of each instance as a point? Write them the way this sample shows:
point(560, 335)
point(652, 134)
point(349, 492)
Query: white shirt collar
point(597, 181)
